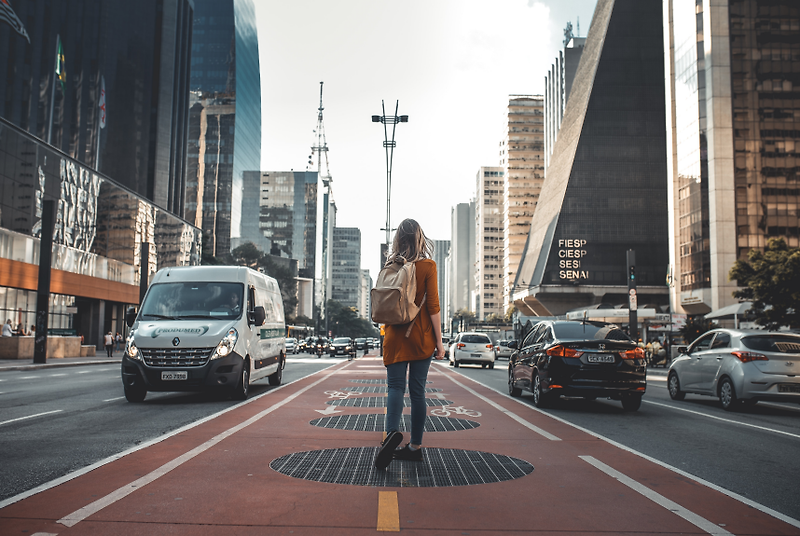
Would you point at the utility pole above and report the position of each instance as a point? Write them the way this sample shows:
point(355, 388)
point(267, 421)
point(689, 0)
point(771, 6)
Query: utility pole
point(389, 146)
point(633, 315)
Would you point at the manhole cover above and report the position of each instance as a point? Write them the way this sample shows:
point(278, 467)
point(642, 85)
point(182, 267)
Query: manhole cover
point(383, 381)
point(382, 389)
point(439, 468)
point(374, 422)
point(380, 402)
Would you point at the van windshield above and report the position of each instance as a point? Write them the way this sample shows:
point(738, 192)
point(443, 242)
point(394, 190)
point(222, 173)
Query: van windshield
point(192, 300)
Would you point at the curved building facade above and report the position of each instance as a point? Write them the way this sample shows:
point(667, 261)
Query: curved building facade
point(225, 118)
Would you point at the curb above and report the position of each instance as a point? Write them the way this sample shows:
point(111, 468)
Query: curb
point(59, 363)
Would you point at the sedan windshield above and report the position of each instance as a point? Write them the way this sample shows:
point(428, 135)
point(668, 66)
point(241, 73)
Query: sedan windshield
point(341, 340)
point(589, 331)
point(193, 300)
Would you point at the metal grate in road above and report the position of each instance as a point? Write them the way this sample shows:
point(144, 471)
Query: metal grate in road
point(439, 468)
point(380, 402)
point(383, 381)
point(382, 389)
point(375, 422)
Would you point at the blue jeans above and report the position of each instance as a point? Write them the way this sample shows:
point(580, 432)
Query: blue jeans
point(396, 383)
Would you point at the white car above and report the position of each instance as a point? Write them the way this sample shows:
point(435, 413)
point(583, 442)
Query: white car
point(472, 347)
point(291, 345)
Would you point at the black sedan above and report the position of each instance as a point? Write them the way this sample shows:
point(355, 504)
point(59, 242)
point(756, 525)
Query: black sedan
point(578, 359)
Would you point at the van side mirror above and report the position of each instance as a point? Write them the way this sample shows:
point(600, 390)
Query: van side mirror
point(130, 316)
point(683, 349)
point(512, 344)
point(259, 315)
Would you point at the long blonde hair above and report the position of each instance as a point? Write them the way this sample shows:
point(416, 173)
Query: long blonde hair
point(410, 243)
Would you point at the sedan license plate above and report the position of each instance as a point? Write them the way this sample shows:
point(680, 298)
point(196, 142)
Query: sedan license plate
point(600, 358)
point(173, 375)
point(475, 355)
point(790, 388)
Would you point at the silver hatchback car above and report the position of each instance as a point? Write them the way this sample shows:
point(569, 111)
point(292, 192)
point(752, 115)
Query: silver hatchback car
point(739, 367)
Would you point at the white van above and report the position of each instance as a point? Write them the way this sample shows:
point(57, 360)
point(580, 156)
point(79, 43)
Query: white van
point(205, 327)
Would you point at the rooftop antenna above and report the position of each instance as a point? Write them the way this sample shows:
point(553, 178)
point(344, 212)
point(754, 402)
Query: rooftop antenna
point(579, 27)
point(321, 146)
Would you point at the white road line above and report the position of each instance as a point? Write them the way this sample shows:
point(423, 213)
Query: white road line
point(514, 416)
point(70, 520)
point(84, 371)
point(28, 378)
point(696, 520)
point(728, 493)
point(112, 399)
point(54, 375)
point(731, 421)
point(31, 416)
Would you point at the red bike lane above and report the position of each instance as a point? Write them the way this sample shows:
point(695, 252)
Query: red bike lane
point(298, 460)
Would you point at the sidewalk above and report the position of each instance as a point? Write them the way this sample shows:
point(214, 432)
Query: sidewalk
point(28, 364)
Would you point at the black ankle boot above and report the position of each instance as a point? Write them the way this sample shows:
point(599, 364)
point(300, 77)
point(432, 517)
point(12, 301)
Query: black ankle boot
point(408, 455)
point(384, 456)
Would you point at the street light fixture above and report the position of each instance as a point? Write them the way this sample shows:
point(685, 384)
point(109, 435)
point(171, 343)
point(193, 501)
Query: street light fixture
point(389, 146)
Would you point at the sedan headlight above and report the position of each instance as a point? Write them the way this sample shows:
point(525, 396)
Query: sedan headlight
point(131, 350)
point(225, 346)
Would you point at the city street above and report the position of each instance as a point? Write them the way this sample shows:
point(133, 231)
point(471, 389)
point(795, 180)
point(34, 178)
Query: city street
point(646, 472)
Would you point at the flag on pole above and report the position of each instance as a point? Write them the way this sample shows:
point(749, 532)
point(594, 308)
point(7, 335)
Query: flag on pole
point(8, 16)
point(61, 70)
point(102, 102)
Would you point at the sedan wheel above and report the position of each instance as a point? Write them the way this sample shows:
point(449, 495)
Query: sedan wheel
point(631, 402)
point(540, 400)
point(455, 363)
point(727, 395)
point(674, 387)
point(513, 391)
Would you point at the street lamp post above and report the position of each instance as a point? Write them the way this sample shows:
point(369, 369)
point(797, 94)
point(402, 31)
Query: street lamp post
point(389, 146)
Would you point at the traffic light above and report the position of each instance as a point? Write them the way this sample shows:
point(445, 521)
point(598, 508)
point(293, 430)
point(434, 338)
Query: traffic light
point(632, 272)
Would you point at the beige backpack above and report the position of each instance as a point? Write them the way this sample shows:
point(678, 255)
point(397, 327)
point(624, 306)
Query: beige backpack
point(393, 296)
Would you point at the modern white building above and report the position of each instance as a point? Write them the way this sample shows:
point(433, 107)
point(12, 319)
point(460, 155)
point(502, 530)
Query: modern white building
point(366, 285)
point(488, 272)
point(462, 257)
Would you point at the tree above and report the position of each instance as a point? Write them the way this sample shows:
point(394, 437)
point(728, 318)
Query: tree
point(510, 313)
point(465, 317)
point(771, 280)
point(344, 322)
point(696, 326)
point(247, 255)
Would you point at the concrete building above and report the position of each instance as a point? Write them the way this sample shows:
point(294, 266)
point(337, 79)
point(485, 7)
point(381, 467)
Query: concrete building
point(441, 251)
point(733, 110)
point(346, 269)
point(462, 257)
point(225, 72)
point(522, 160)
point(488, 290)
point(366, 285)
point(606, 187)
point(121, 106)
point(557, 86)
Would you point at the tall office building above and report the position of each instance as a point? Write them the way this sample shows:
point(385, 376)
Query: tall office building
point(488, 293)
point(557, 86)
point(606, 185)
point(223, 143)
point(282, 215)
point(364, 302)
point(441, 251)
point(733, 110)
point(106, 83)
point(522, 159)
point(346, 268)
point(462, 256)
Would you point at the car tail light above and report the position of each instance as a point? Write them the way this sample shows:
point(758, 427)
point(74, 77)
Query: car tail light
point(636, 353)
point(460, 345)
point(563, 351)
point(746, 357)
point(489, 346)
point(555, 386)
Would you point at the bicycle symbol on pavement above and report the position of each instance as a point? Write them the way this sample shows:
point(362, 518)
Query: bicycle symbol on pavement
point(445, 411)
point(341, 395)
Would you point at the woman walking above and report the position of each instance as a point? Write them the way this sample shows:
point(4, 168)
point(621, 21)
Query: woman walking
point(411, 354)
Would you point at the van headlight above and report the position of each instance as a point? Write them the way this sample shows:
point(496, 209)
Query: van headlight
point(225, 346)
point(131, 350)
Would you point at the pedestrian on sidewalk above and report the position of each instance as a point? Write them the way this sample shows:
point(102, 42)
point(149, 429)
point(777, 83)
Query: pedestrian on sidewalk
point(8, 331)
point(118, 340)
point(411, 354)
point(109, 342)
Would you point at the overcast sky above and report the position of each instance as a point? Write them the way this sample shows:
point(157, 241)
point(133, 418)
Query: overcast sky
point(450, 63)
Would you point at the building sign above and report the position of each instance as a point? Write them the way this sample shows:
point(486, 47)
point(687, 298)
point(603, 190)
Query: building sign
point(570, 258)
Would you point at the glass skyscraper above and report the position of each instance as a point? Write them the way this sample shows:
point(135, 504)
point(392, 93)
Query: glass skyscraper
point(223, 143)
point(121, 103)
point(733, 98)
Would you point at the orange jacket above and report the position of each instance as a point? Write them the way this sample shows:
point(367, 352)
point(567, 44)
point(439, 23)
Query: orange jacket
point(421, 342)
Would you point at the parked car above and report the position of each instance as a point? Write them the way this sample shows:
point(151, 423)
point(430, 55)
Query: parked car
point(581, 359)
point(740, 367)
point(340, 345)
point(291, 345)
point(502, 349)
point(361, 343)
point(472, 347)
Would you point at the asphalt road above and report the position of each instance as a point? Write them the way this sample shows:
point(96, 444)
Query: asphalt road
point(55, 421)
point(755, 453)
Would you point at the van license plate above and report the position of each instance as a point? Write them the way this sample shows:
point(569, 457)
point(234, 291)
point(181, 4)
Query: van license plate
point(174, 375)
point(600, 358)
point(782, 388)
